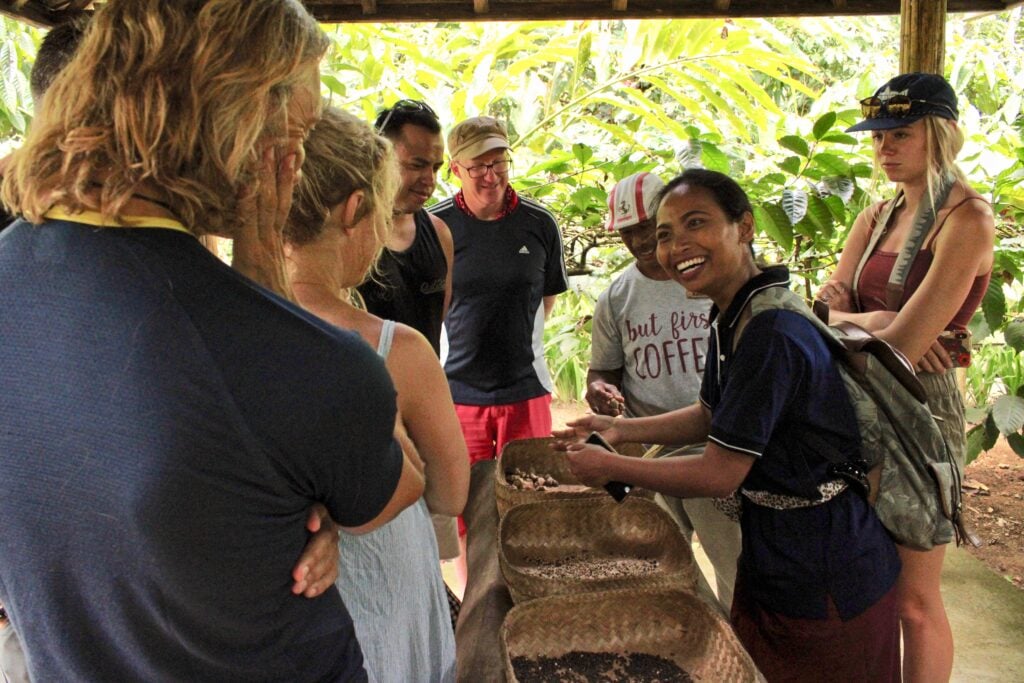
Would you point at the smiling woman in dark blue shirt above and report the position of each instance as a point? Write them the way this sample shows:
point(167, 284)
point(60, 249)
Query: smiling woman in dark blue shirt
point(815, 589)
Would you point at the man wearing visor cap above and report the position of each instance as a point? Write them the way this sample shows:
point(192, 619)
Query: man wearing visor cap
point(508, 269)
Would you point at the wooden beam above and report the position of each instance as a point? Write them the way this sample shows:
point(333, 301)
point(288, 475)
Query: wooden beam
point(722, 5)
point(620, 5)
point(481, 6)
point(369, 6)
point(922, 36)
point(839, 4)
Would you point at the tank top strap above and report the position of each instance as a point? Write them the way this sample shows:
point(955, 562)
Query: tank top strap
point(426, 234)
point(953, 208)
point(387, 335)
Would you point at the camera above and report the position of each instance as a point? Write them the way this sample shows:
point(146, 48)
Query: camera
point(957, 344)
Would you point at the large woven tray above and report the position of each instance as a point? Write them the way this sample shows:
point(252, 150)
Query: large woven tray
point(537, 456)
point(672, 624)
point(598, 528)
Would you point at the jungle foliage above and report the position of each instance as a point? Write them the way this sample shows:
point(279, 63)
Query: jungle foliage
point(766, 101)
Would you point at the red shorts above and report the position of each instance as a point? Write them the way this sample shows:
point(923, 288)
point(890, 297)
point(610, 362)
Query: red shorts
point(488, 428)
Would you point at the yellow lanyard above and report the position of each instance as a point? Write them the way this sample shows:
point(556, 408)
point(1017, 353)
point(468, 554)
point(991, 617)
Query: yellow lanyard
point(58, 213)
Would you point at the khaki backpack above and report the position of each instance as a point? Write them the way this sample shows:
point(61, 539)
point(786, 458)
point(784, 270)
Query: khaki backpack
point(914, 483)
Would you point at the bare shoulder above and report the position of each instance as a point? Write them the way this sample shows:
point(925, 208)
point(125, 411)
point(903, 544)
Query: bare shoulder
point(442, 229)
point(972, 208)
point(410, 350)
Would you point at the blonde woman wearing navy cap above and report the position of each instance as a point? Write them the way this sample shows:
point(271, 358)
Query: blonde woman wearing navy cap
point(913, 124)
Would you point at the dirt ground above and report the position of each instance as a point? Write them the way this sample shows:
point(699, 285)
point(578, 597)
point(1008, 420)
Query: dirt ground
point(994, 507)
point(993, 503)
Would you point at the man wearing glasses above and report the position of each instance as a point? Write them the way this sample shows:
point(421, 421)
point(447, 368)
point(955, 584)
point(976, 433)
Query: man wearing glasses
point(413, 283)
point(508, 269)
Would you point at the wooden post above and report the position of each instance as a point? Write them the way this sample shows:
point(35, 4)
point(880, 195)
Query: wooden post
point(922, 36)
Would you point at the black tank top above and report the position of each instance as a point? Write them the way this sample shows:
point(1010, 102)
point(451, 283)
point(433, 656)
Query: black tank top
point(409, 286)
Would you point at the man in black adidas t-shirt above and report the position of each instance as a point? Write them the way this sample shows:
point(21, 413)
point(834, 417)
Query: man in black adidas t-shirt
point(508, 269)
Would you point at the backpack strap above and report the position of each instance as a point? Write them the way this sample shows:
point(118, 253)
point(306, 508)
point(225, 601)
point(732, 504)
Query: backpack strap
point(882, 219)
point(924, 218)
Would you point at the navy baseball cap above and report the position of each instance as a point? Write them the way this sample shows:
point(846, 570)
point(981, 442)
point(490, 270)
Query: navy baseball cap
point(905, 99)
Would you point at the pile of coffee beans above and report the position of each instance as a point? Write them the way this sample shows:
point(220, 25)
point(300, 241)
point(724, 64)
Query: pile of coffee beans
point(585, 567)
point(604, 667)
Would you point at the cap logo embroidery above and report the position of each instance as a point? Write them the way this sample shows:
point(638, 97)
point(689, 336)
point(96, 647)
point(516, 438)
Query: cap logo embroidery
point(888, 94)
point(623, 206)
point(524, 250)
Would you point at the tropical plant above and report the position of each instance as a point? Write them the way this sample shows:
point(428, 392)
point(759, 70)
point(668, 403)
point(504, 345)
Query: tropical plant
point(766, 101)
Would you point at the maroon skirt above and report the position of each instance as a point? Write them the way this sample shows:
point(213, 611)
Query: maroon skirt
point(865, 648)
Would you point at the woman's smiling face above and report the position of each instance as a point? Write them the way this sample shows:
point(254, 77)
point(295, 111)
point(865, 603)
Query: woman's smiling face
point(700, 247)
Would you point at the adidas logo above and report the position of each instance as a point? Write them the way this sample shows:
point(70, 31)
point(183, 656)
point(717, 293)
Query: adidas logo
point(524, 250)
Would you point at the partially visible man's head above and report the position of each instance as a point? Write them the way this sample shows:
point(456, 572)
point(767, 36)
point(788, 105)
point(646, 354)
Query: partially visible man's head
point(55, 51)
point(415, 132)
point(632, 208)
point(479, 150)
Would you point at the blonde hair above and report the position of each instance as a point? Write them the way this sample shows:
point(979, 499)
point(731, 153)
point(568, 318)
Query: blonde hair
point(943, 142)
point(174, 94)
point(343, 155)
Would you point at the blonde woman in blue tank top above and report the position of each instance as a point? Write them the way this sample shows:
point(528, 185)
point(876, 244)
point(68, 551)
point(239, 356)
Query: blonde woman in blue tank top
point(389, 579)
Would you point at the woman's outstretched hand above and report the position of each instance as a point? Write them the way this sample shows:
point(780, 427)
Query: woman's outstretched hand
point(580, 429)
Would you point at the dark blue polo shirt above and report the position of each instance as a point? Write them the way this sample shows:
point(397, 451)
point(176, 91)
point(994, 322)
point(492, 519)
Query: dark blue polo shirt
point(773, 397)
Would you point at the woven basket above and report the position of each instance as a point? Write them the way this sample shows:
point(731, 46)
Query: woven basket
point(537, 456)
point(675, 625)
point(598, 528)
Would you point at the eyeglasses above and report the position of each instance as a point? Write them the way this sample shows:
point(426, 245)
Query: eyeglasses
point(405, 106)
point(500, 167)
point(897, 106)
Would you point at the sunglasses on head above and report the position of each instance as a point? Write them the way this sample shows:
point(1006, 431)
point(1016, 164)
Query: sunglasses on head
point(402, 106)
point(896, 106)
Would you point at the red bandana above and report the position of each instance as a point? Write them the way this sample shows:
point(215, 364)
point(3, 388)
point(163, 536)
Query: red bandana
point(511, 202)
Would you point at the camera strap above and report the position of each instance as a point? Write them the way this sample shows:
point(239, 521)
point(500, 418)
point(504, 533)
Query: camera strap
point(923, 220)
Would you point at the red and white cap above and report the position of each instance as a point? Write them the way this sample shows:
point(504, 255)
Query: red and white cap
point(631, 201)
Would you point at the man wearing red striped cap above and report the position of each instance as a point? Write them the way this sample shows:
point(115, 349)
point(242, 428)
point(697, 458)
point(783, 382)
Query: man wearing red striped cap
point(647, 356)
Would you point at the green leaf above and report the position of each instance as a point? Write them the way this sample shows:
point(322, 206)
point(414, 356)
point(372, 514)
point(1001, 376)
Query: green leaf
point(791, 165)
point(714, 159)
point(832, 165)
point(795, 143)
point(994, 304)
point(991, 432)
point(820, 216)
point(582, 152)
point(333, 84)
point(824, 124)
point(589, 197)
point(841, 138)
point(773, 221)
point(978, 327)
point(975, 443)
point(794, 203)
point(1016, 442)
point(1014, 334)
point(1008, 414)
